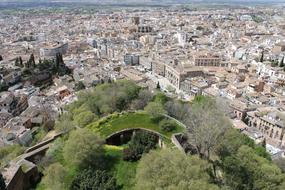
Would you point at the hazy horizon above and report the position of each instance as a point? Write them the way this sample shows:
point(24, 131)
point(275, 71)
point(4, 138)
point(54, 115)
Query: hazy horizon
point(143, 1)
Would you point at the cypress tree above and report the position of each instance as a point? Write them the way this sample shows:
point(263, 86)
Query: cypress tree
point(263, 143)
point(282, 62)
point(17, 62)
point(61, 58)
point(32, 60)
point(2, 182)
point(21, 61)
point(158, 85)
point(57, 60)
point(262, 56)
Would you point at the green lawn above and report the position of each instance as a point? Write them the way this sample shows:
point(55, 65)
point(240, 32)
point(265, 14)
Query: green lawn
point(123, 171)
point(130, 121)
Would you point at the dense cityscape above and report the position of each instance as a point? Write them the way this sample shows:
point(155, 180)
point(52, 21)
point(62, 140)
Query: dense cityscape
point(151, 97)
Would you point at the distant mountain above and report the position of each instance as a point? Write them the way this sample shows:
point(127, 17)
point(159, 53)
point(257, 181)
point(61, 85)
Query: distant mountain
point(55, 3)
point(143, 1)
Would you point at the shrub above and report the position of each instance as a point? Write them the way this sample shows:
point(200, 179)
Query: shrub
point(129, 155)
point(142, 142)
point(167, 125)
point(90, 179)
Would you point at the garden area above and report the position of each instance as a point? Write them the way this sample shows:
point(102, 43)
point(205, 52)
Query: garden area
point(124, 171)
point(137, 120)
point(81, 159)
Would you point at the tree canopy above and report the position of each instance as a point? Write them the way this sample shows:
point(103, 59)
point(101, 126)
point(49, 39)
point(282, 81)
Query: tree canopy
point(90, 179)
point(206, 124)
point(107, 98)
point(155, 109)
point(172, 169)
point(54, 177)
point(245, 170)
point(83, 148)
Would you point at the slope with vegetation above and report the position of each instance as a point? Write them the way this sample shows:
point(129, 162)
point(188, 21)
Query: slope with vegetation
point(225, 159)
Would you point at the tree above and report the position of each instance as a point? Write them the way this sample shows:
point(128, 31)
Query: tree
point(89, 179)
point(282, 62)
point(263, 143)
point(167, 125)
point(280, 162)
point(206, 124)
point(144, 97)
point(79, 86)
point(84, 118)
point(57, 61)
point(262, 57)
point(172, 169)
point(9, 152)
point(21, 61)
point(246, 170)
point(1, 58)
point(55, 151)
point(177, 109)
point(31, 62)
point(64, 124)
point(231, 142)
point(155, 110)
point(142, 142)
point(54, 177)
point(158, 86)
point(108, 98)
point(161, 98)
point(83, 149)
point(3, 86)
point(17, 62)
point(2, 181)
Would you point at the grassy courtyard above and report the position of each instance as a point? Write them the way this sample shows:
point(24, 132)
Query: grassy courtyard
point(120, 122)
